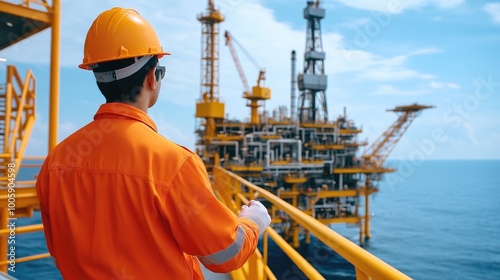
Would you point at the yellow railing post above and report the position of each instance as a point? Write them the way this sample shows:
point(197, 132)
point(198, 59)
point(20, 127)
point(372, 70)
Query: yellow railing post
point(236, 186)
point(54, 73)
point(8, 108)
point(265, 250)
point(3, 239)
point(252, 267)
point(367, 213)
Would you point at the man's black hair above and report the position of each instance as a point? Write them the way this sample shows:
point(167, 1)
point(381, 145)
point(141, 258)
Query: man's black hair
point(126, 89)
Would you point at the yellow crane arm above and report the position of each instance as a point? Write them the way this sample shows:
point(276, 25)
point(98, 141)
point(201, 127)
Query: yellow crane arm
point(378, 151)
point(229, 43)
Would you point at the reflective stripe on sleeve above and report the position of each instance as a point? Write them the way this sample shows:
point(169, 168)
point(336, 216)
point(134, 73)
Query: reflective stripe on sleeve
point(226, 254)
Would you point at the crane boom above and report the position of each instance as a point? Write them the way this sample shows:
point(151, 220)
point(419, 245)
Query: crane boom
point(229, 43)
point(378, 151)
point(258, 93)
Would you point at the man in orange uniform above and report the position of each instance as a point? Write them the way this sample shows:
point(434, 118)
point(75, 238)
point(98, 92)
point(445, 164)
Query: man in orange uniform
point(118, 200)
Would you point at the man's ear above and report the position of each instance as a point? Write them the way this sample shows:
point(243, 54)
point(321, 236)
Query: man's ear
point(150, 78)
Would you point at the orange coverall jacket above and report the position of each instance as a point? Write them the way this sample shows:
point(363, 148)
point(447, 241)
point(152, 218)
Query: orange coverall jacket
point(119, 201)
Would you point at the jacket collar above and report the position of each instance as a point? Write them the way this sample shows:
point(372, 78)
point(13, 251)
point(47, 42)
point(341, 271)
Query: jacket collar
point(116, 110)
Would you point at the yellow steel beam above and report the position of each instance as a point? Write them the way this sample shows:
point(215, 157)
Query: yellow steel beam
point(312, 161)
point(327, 147)
point(318, 125)
point(273, 122)
point(26, 12)
point(248, 168)
point(289, 194)
point(54, 73)
point(295, 180)
point(28, 258)
point(238, 125)
point(4, 218)
point(224, 137)
point(23, 229)
point(21, 187)
point(22, 200)
point(355, 144)
point(344, 220)
point(367, 216)
point(350, 131)
point(357, 170)
point(267, 137)
point(339, 193)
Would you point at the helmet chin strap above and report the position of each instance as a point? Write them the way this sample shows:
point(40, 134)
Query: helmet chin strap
point(114, 75)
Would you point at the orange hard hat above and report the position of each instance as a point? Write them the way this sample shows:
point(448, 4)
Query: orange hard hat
point(119, 33)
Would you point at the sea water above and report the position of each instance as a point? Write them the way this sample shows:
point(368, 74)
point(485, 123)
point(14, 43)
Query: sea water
point(430, 220)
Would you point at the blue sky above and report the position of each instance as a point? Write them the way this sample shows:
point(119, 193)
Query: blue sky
point(379, 54)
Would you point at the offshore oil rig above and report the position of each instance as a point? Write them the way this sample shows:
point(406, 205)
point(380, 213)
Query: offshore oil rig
point(303, 157)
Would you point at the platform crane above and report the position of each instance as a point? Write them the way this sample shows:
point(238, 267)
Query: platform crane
point(376, 154)
point(258, 92)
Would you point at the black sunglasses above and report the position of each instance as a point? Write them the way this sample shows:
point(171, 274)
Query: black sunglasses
point(160, 72)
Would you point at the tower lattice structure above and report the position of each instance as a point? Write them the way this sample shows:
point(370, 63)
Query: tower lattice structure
point(312, 106)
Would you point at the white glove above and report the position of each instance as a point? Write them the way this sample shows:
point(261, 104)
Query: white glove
point(257, 213)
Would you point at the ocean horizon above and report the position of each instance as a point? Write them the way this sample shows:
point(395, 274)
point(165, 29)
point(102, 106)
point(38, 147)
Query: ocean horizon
point(432, 219)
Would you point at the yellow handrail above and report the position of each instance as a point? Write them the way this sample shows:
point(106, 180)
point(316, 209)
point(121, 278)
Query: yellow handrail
point(234, 191)
point(20, 230)
point(17, 202)
point(367, 266)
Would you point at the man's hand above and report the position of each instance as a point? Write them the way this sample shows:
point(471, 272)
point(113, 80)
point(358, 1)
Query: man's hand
point(256, 212)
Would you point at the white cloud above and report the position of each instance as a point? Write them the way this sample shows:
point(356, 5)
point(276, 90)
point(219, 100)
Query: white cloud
point(368, 66)
point(171, 130)
point(391, 90)
point(269, 41)
point(355, 23)
point(453, 85)
point(270, 44)
point(443, 85)
point(470, 133)
point(493, 9)
point(398, 6)
point(424, 51)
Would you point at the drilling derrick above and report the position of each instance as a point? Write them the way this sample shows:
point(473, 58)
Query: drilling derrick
point(209, 108)
point(312, 82)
